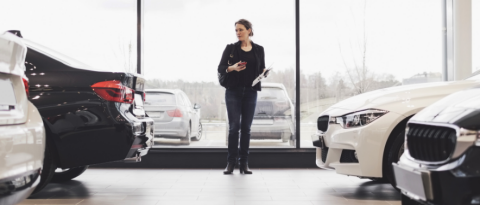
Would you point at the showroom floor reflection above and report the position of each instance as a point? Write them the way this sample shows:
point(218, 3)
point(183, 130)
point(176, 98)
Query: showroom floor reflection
point(210, 186)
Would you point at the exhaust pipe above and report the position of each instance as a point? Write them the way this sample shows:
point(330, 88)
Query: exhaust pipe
point(135, 159)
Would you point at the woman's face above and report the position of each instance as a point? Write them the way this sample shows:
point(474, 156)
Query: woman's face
point(242, 32)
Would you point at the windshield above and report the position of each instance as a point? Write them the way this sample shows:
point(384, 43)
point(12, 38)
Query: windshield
point(160, 99)
point(272, 94)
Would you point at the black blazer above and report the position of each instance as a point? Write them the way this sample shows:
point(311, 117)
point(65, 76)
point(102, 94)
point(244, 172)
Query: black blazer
point(226, 61)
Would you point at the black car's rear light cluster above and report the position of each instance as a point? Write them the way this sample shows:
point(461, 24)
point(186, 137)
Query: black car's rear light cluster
point(114, 91)
point(322, 123)
point(430, 143)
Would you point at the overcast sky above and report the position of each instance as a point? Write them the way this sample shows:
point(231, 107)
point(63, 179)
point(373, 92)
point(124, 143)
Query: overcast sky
point(184, 39)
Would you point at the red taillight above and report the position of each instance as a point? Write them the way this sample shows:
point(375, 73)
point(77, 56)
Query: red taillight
point(144, 97)
point(114, 91)
point(175, 113)
point(25, 84)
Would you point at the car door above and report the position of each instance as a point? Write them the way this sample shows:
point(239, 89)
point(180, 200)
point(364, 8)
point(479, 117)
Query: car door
point(192, 115)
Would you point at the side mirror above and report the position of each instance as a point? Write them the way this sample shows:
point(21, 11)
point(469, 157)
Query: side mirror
point(196, 106)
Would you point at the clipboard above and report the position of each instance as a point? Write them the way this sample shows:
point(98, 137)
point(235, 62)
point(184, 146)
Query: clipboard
point(262, 75)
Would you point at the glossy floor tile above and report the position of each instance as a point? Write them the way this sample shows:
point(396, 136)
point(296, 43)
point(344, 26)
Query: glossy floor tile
point(210, 186)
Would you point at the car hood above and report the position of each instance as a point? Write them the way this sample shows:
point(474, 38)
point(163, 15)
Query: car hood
point(461, 108)
point(404, 100)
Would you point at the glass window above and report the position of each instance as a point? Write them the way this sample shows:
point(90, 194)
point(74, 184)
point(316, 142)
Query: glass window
point(184, 41)
point(349, 47)
point(187, 101)
point(475, 35)
point(273, 94)
point(154, 98)
point(180, 99)
point(98, 33)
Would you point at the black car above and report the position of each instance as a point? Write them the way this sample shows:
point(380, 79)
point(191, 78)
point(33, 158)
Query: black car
point(90, 116)
point(441, 162)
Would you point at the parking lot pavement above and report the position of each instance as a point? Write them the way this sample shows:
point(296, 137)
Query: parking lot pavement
point(214, 135)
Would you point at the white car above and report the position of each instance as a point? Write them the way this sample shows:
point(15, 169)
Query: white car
point(22, 135)
point(362, 135)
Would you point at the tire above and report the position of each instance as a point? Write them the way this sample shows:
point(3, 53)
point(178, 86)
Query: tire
point(48, 170)
point(285, 138)
point(407, 201)
point(68, 174)
point(292, 142)
point(379, 180)
point(393, 154)
point(187, 139)
point(199, 133)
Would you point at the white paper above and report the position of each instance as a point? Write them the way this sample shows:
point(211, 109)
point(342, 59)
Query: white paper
point(261, 76)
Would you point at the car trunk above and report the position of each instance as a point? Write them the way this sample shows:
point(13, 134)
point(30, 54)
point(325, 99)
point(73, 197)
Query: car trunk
point(160, 106)
point(160, 113)
point(13, 100)
point(267, 111)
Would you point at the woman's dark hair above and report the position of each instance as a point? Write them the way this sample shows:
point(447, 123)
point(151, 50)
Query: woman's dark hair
point(245, 23)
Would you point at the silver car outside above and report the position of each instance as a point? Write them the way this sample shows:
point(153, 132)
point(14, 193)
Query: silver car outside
point(174, 115)
point(274, 115)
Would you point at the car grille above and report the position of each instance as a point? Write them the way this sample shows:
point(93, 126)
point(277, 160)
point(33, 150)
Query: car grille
point(430, 143)
point(322, 123)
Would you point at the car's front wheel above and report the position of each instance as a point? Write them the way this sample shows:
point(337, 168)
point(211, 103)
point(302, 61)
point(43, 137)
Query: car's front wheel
point(393, 154)
point(62, 175)
point(199, 133)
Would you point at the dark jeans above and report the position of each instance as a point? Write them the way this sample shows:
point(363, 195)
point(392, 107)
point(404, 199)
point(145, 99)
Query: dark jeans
point(241, 102)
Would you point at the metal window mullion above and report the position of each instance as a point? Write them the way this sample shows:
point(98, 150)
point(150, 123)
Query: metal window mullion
point(140, 14)
point(297, 73)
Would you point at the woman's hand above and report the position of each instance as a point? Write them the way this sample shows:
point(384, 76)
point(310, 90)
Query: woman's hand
point(266, 72)
point(236, 67)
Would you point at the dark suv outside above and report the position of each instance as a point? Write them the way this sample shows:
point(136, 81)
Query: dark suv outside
point(441, 162)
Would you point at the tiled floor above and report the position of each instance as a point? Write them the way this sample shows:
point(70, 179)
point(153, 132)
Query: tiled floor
point(210, 186)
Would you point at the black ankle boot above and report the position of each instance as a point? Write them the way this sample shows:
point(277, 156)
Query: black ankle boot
point(244, 168)
point(230, 167)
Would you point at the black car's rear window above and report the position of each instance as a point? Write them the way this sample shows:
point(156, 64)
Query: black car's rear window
point(160, 99)
point(272, 94)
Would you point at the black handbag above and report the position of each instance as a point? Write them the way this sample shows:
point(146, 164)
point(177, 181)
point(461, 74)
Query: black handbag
point(223, 77)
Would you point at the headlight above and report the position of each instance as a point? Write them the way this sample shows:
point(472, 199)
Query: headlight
point(359, 118)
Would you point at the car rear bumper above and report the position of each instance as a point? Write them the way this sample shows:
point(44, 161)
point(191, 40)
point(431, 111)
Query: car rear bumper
point(273, 131)
point(143, 134)
point(176, 128)
point(17, 188)
point(22, 146)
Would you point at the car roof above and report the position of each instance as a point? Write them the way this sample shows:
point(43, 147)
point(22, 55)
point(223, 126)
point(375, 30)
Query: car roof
point(273, 85)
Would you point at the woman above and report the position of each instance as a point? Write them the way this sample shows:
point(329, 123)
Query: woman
point(242, 62)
